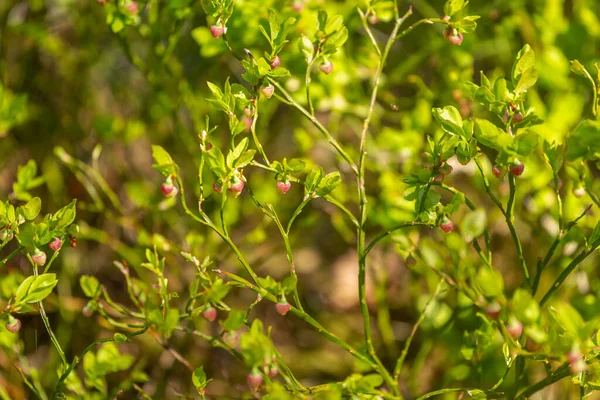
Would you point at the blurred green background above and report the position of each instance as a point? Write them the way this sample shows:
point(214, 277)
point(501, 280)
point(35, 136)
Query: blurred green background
point(70, 84)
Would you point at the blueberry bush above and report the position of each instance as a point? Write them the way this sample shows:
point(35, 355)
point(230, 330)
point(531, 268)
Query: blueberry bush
point(299, 199)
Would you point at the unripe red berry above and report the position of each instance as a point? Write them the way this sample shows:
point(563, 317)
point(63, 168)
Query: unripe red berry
point(55, 245)
point(273, 371)
point(517, 168)
point(217, 188)
point(579, 192)
point(410, 261)
point(132, 7)
point(210, 314)
point(282, 307)
point(532, 346)
point(254, 379)
point(453, 36)
point(169, 189)
point(493, 310)
point(39, 257)
point(518, 117)
point(236, 187)
point(217, 31)
point(283, 187)
point(496, 171)
point(326, 67)
point(515, 329)
point(247, 124)
point(268, 90)
point(13, 326)
point(275, 62)
point(447, 225)
point(297, 6)
point(87, 311)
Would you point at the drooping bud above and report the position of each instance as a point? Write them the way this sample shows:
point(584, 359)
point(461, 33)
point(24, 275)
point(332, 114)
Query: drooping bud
point(210, 314)
point(515, 329)
point(326, 67)
point(579, 192)
point(217, 187)
point(248, 112)
point(268, 90)
point(168, 188)
point(453, 36)
point(236, 186)
point(446, 169)
point(518, 117)
point(532, 346)
point(132, 7)
point(39, 257)
point(373, 18)
point(517, 168)
point(283, 307)
point(283, 186)
point(217, 31)
point(275, 62)
point(447, 225)
point(254, 379)
point(13, 325)
point(496, 171)
point(493, 310)
point(410, 261)
point(298, 6)
point(55, 245)
point(247, 123)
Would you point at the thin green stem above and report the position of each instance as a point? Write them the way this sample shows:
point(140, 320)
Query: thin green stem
point(511, 227)
point(567, 271)
point(11, 255)
point(296, 213)
point(560, 373)
point(413, 332)
point(307, 82)
point(257, 143)
point(387, 233)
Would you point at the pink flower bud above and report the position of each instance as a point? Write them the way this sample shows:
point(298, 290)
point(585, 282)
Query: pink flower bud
point(55, 245)
point(373, 20)
point(326, 67)
point(210, 314)
point(496, 171)
point(248, 112)
point(217, 31)
point(410, 261)
point(13, 326)
point(268, 90)
point(282, 307)
point(217, 188)
point(446, 169)
point(579, 192)
point(532, 346)
point(236, 187)
point(39, 257)
point(275, 62)
point(283, 187)
point(453, 36)
point(168, 188)
point(273, 371)
point(493, 310)
point(132, 7)
point(517, 168)
point(515, 329)
point(87, 311)
point(247, 123)
point(297, 6)
point(447, 225)
point(254, 380)
point(518, 117)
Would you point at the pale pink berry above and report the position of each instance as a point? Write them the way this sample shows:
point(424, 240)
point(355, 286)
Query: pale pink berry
point(210, 314)
point(447, 225)
point(493, 310)
point(236, 187)
point(283, 307)
point(496, 171)
point(518, 117)
point(217, 31)
point(453, 36)
point(268, 90)
point(247, 123)
point(39, 257)
point(579, 192)
point(132, 7)
point(326, 67)
point(517, 168)
point(13, 326)
point(168, 188)
point(273, 371)
point(283, 187)
point(254, 380)
point(87, 311)
point(275, 62)
point(55, 245)
point(515, 329)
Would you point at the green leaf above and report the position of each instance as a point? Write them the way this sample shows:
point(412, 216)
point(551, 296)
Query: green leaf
point(473, 224)
point(453, 6)
point(579, 69)
point(289, 284)
point(329, 183)
point(595, 238)
point(490, 282)
point(245, 159)
point(450, 120)
point(527, 79)
point(90, 286)
point(163, 161)
point(307, 48)
point(525, 143)
point(526, 309)
point(312, 180)
point(199, 379)
point(235, 320)
point(32, 208)
point(525, 61)
point(491, 136)
point(35, 288)
point(584, 141)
